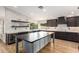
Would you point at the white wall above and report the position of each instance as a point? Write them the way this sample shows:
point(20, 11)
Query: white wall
point(2, 16)
point(7, 15)
point(11, 15)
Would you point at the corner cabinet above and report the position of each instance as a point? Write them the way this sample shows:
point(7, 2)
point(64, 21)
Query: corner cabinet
point(52, 23)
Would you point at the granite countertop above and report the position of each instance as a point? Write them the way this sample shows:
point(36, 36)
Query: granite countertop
point(36, 30)
point(55, 30)
point(16, 31)
point(31, 37)
point(36, 34)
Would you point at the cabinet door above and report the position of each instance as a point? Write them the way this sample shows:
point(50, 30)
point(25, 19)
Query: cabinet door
point(41, 43)
point(45, 41)
point(71, 21)
point(28, 47)
point(49, 23)
point(36, 46)
point(52, 23)
point(77, 21)
point(78, 37)
point(68, 36)
point(60, 35)
point(72, 37)
point(10, 38)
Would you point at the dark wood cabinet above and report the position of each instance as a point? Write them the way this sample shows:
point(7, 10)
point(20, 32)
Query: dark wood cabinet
point(49, 23)
point(77, 21)
point(52, 23)
point(71, 21)
point(67, 36)
point(72, 37)
point(10, 39)
point(60, 35)
point(78, 37)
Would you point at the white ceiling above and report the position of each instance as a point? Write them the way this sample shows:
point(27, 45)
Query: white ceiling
point(51, 11)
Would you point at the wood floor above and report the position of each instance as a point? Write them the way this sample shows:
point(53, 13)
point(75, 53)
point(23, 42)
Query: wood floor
point(60, 46)
point(10, 48)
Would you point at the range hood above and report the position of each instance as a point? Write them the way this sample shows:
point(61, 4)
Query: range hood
point(62, 25)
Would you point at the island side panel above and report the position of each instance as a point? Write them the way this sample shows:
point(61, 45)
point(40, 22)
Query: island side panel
point(36, 46)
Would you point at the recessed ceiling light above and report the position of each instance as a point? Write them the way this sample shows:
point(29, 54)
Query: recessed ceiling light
point(72, 12)
point(31, 13)
point(44, 10)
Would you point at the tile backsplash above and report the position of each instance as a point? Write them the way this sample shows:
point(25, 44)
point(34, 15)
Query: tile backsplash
point(64, 27)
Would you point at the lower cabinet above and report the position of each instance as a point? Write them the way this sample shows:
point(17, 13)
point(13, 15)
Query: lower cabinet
point(46, 41)
point(60, 35)
point(41, 43)
point(67, 36)
point(78, 38)
point(28, 47)
point(10, 39)
point(36, 46)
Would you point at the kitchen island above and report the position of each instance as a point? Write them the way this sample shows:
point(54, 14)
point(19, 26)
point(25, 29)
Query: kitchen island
point(31, 36)
point(35, 41)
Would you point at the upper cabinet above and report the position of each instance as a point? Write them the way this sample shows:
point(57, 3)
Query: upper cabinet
point(52, 23)
point(77, 21)
point(73, 21)
point(70, 21)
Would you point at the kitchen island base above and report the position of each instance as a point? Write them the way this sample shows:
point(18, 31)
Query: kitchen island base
point(36, 46)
